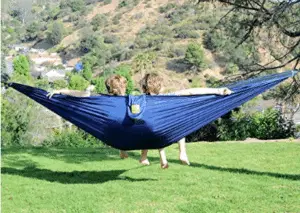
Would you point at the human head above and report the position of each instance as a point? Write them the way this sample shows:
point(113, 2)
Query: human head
point(116, 85)
point(151, 84)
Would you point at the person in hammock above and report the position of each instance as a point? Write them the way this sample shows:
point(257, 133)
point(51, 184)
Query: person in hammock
point(115, 85)
point(152, 85)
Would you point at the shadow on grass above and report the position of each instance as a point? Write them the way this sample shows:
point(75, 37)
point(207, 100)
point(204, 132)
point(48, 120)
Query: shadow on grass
point(230, 170)
point(68, 155)
point(247, 171)
point(74, 177)
point(19, 161)
point(80, 155)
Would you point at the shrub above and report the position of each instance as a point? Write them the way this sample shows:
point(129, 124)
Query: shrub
point(269, 124)
point(202, 26)
point(107, 2)
point(54, 12)
point(60, 84)
point(77, 5)
point(77, 82)
point(22, 120)
point(179, 52)
point(212, 81)
point(196, 83)
point(87, 71)
point(213, 40)
point(142, 42)
point(21, 66)
point(174, 51)
point(123, 4)
point(42, 84)
point(81, 23)
point(63, 4)
point(100, 85)
point(72, 138)
point(206, 133)
point(58, 48)
point(116, 18)
point(89, 43)
point(237, 126)
point(111, 39)
point(99, 21)
point(144, 61)
point(242, 55)
point(97, 51)
point(33, 30)
point(186, 31)
point(15, 116)
point(74, 17)
point(167, 8)
point(181, 13)
point(91, 59)
point(116, 51)
point(195, 55)
point(231, 68)
point(155, 36)
point(126, 55)
point(298, 128)
point(56, 33)
point(124, 70)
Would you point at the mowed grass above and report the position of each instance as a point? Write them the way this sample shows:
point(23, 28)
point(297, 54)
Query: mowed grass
point(223, 177)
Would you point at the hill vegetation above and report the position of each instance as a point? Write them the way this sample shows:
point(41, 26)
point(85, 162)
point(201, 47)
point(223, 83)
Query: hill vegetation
point(190, 44)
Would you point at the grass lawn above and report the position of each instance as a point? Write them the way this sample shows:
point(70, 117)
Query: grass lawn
point(223, 177)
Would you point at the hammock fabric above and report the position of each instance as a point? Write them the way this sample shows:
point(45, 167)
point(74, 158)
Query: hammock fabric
point(149, 122)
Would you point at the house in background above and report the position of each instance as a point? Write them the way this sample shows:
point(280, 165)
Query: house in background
point(54, 75)
point(19, 48)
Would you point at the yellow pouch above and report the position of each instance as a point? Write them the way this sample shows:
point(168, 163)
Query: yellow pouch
point(135, 108)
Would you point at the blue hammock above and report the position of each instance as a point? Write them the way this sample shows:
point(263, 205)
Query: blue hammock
point(157, 121)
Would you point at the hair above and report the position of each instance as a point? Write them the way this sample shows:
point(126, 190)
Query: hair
point(151, 83)
point(115, 83)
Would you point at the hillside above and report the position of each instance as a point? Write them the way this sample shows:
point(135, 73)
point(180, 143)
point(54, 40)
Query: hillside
point(111, 33)
point(130, 28)
point(130, 23)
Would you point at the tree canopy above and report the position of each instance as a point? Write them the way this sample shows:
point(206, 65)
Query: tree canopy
point(273, 25)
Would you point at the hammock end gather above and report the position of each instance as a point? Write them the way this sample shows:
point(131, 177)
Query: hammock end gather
point(295, 72)
point(8, 84)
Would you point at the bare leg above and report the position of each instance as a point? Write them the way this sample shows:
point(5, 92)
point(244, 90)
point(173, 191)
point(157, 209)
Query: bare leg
point(163, 159)
point(123, 154)
point(182, 152)
point(144, 159)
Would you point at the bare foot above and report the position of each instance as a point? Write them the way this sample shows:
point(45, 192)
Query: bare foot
point(184, 160)
point(145, 162)
point(225, 91)
point(123, 154)
point(164, 165)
